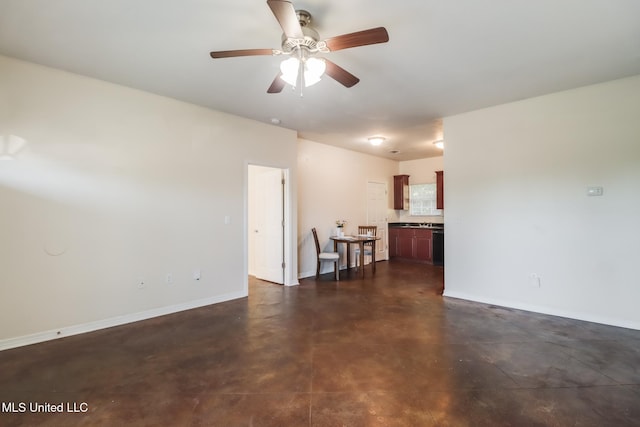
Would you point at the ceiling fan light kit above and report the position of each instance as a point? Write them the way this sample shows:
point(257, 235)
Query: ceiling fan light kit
point(301, 42)
point(312, 70)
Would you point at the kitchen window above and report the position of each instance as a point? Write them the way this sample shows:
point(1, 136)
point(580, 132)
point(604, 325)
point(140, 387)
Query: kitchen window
point(422, 200)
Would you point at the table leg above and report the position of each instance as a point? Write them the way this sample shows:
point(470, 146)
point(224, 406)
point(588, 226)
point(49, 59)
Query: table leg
point(362, 257)
point(373, 255)
point(348, 247)
point(337, 264)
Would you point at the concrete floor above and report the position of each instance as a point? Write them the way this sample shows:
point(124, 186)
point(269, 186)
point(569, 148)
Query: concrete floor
point(381, 351)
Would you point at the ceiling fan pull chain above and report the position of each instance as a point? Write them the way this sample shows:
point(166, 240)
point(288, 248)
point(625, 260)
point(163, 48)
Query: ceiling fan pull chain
point(300, 71)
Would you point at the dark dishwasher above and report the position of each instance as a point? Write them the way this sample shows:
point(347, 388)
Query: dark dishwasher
point(438, 247)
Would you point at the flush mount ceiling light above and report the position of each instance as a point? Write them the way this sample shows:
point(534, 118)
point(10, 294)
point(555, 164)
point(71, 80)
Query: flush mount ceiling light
point(376, 140)
point(439, 144)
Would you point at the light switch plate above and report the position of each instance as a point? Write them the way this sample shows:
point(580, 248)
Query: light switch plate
point(595, 191)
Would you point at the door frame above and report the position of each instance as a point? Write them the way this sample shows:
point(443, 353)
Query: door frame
point(290, 278)
point(385, 241)
point(266, 224)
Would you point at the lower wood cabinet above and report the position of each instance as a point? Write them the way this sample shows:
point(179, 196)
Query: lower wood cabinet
point(393, 242)
point(406, 243)
point(423, 245)
point(410, 243)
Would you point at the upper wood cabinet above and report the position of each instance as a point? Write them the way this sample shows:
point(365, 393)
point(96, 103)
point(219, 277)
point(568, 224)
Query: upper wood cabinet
point(439, 189)
point(401, 192)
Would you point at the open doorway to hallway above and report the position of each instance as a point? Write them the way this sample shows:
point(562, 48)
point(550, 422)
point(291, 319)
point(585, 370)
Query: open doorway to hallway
point(266, 223)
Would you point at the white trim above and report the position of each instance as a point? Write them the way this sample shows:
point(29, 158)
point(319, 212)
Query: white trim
point(114, 321)
point(312, 273)
point(290, 272)
point(305, 274)
point(385, 254)
point(291, 278)
point(587, 317)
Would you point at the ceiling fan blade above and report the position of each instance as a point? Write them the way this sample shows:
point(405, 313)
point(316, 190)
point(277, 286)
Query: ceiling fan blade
point(285, 13)
point(242, 52)
point(340, 74)
point(360, 38)
point(277, 85)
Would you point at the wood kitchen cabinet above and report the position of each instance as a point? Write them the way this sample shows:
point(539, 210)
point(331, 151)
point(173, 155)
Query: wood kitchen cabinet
point(406, 243)
point(439, 189)
point(423, 245)
point(393, 241)
point(401, 192)
point(410, 244)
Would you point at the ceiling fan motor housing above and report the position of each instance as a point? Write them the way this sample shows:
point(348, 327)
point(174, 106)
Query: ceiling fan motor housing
point(311, 36)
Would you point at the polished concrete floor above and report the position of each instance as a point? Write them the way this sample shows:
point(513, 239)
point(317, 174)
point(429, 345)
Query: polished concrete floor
point(380, 351)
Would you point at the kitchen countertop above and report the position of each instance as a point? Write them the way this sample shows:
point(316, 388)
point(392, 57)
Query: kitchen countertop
point(427, 225)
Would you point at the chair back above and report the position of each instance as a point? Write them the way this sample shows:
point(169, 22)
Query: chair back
point(366, 229)
point(315, 238)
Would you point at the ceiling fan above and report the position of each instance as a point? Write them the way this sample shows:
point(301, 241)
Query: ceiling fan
point(301, 43)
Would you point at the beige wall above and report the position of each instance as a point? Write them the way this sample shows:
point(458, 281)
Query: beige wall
point(516, 204)
point(117, 187)
point(421, 171)
point(332, 185)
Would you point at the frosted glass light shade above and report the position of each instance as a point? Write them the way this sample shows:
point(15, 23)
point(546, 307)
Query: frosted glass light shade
point(289, 69)
point(313, 69)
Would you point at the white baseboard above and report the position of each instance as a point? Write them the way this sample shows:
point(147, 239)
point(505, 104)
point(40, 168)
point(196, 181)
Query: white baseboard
point(305, 274)
point(587, 317)
point(66, 331)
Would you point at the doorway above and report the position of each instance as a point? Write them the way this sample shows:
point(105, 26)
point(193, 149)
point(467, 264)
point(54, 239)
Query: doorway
point(266, 223)
point(377, 205)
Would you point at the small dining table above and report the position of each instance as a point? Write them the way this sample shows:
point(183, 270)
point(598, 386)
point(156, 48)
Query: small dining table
point(359, 240)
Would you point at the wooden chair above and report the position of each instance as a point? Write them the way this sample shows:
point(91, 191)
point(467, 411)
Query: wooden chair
point(333, 257)
point(368, 247)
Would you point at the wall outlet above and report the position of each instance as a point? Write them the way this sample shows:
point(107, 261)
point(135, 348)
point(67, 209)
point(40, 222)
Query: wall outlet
point(169, 278)
point(196, 274)
point(534, 280)
point(141, 284)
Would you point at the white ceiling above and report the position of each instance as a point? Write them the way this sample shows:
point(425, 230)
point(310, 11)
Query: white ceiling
point(443, 57)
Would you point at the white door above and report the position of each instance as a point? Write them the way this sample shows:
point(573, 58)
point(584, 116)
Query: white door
point(268, 226)
point(377, 207)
